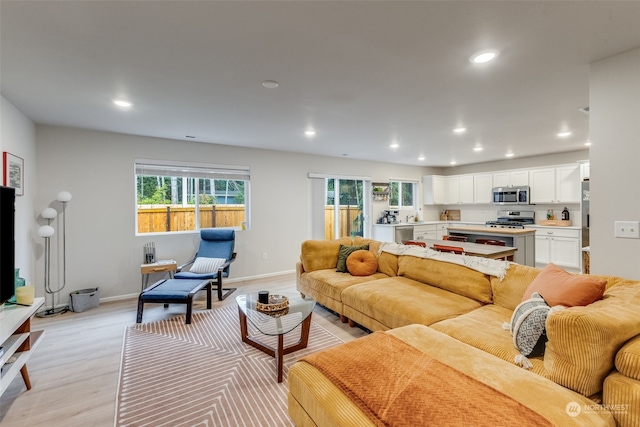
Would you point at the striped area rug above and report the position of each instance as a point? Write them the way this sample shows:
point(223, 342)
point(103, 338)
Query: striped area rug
point(202, 374)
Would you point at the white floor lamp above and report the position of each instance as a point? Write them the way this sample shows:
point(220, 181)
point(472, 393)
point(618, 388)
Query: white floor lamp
point(46, 231)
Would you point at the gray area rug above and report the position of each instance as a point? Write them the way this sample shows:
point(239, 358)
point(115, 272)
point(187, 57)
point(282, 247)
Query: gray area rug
point(172, 374)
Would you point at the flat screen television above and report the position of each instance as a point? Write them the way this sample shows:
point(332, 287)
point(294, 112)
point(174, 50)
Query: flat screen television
point(7, 243)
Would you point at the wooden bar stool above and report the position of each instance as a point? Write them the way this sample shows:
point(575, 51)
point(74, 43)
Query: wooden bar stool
point(451, 249)
point(455, 238)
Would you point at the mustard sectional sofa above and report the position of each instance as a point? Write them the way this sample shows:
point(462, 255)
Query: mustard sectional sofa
point(456, 314)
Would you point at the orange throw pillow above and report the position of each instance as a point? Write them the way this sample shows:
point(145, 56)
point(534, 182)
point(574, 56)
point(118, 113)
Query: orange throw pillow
point(362, 263)
point(558, 287)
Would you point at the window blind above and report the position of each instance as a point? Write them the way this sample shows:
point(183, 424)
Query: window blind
point(191, 170)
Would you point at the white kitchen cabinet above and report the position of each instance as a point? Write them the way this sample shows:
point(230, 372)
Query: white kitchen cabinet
point(511, 178)
point(460, 189)
point(555, 185)
point(558, 246)
point(585, 171)
point(425, 231)
point(543, 185)
point(568, 184)
point(434, 190)
point(482, 185)
point(441, 230)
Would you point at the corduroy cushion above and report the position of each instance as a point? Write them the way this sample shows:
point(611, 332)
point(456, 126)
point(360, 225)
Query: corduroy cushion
point(362, 263)
point(583, 341)
point(558, 287)
point(628, 359)
point(344, 253)
point(451, 277)
point(321, 254)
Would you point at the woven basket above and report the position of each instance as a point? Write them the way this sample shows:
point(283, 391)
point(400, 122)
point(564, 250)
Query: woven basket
point(276, 303)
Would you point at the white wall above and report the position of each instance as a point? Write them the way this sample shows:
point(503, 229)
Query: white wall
point(614, 101)
point(97, 169)
point(18, 137)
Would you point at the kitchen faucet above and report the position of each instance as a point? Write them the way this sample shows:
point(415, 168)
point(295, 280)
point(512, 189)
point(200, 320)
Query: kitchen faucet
point(409, 217)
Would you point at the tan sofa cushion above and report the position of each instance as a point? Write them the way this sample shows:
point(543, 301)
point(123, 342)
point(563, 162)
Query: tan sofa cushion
point(321, 254)
point(331, 282)
point(315, 400)
point(622, 395)
point(628, 359)
point(399, 301)
point(482, 329)
point(507, 293)
point(583, 341)
point(451, 277)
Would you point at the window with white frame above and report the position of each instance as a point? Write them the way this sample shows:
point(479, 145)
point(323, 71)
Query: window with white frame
point(179, 196)
point(402, 194)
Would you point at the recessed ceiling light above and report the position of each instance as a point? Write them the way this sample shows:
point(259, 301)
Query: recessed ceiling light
point(452, 162)
point(310, 132)
point(122, 103)
point(478, 148)
point(563, 134)
point(484, 56)
point(460, 129)
point(394, 145)
point(421, 158)
point(588, 143)
point(509, 155)
point(270, 84)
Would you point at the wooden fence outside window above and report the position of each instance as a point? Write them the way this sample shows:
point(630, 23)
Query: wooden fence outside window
point(164, 218)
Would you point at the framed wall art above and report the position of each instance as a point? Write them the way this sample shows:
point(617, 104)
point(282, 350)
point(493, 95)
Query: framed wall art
point(13, 172)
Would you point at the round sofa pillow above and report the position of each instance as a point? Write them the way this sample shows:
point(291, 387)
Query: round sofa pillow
point(362, 263)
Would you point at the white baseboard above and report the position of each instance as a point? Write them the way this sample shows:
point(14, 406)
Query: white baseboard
point(234, 280)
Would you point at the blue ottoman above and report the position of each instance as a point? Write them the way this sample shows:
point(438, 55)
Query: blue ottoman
point(173, 291)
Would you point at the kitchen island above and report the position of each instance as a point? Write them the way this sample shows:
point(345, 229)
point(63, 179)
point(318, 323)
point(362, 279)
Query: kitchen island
point(474, 249)
point(523, 239)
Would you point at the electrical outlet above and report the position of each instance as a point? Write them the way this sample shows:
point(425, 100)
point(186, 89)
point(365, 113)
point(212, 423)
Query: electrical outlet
point(628, 229)
point(264, 255)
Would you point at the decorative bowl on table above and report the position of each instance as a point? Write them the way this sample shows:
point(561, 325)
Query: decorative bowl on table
point(277, 304)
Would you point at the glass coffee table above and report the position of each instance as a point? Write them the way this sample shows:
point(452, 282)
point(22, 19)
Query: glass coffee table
point(299, 313)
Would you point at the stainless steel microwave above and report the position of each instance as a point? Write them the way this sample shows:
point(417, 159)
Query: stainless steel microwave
point(510, 195)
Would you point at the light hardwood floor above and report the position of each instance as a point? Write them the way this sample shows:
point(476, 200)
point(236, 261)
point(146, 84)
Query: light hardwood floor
point(74, 371)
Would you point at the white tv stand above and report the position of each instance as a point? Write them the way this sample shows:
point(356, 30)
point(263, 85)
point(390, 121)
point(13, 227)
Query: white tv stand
point(17, 340)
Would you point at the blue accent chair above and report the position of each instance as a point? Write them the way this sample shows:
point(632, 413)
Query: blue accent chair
point(214, 243)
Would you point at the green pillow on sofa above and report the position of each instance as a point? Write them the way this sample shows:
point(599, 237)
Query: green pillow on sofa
point(344, 253)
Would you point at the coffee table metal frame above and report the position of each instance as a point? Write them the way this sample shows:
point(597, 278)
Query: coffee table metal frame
point(300, 311)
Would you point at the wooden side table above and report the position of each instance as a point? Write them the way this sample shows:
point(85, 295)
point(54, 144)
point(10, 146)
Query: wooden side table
point(18, 341)
point(162, 266)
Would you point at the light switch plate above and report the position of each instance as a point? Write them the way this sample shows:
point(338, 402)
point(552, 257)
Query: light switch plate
point(628, 229)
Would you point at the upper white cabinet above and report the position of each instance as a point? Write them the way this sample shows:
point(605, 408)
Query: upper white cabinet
point(460, 189)
point(555, 185)
point(434, 190)
point(585, 170)
point(511, 178)
point(482, 185)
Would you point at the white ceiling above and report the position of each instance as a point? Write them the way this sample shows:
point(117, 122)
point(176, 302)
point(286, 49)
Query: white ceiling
point(361, 73)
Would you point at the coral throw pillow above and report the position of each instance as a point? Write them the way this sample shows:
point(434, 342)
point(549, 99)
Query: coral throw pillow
point(362, 263)
point(558, 287)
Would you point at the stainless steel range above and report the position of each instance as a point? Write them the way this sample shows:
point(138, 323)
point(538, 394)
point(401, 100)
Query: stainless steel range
point(512, 219)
